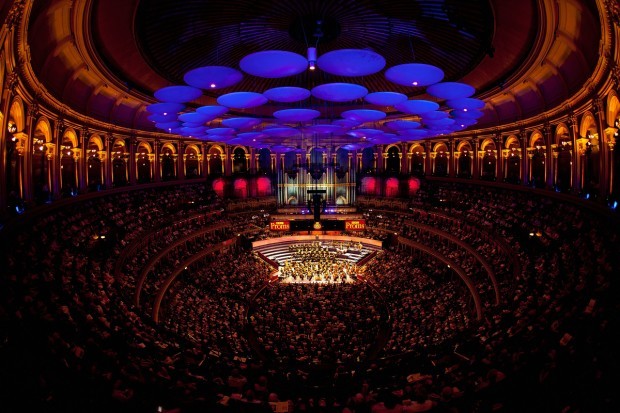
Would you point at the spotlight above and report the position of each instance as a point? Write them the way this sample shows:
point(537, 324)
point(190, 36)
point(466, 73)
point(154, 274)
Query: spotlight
point(311, 58)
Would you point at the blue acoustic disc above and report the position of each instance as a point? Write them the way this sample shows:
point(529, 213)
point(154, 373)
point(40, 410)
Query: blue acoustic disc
point(241, 123)
point(287, 94)
point(339, 92)
point(296, 115)
point(213, 77)
point(385, 98)
point(417, 107)
point(351, 62)
point(177, 94)
point(451, 90)
point(398, 125)
point(363, 115)
point(466, 103)
point(165, 108)
point(242, 100)
point(273, 64)
point(414, 74)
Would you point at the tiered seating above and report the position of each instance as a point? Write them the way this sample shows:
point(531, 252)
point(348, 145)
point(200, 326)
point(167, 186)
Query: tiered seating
point(89, 348)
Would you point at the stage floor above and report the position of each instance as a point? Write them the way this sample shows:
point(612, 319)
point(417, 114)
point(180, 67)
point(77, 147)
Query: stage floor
point(345, 252)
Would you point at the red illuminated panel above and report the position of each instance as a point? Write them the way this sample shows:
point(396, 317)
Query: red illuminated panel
point(391, 187)
point(414, 185)
point(263, 186)
point(218, 187)
point(369, 184)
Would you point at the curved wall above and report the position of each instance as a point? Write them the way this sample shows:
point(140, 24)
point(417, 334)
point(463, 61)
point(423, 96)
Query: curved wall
point(49, 151)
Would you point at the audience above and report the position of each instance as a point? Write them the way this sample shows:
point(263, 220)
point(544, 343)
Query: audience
point(403, 338)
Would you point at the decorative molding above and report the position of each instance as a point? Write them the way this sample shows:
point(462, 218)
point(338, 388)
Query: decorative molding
point(15, 13)
point(12, 80)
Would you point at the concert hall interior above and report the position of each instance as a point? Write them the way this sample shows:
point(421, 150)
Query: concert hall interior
point(323, 206)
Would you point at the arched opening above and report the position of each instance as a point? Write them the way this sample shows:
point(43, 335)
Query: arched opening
point(465, 160)
point(441, 160)
point(563, 179)
point(590, 156)
point(94, 168)
point(264, 161)
point(14, 153)
point(239, 161)
point(119, 164)
point(342, 161)
point(538, 164)
point(68, 165)
point(489, 162)
point(143, 163)
point(215, 162)
point(290, 165)
point(40, 163)
point(513, 161)
point(590, 164)
point(417, 161)
point(168, 171)
point(192, 163)
point(392, 162)
point(368, 161)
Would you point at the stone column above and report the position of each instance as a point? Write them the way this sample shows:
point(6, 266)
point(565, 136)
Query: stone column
point(57, 139)
point(604, 159)
point(82, 183)
point(550, 176)
point(610, 136)
point(131, 162)
point(525, 164)
point(499, 158)
point(573, 130)
point(33, 111)
point(451, 158)
point(404, 160)
point(226, 161)
point(476, 158)
point(181, 160)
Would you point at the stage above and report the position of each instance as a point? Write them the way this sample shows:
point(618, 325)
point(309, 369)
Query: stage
point(323, 259)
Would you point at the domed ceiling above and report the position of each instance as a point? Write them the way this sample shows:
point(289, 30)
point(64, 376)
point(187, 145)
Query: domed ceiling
point(106, 59)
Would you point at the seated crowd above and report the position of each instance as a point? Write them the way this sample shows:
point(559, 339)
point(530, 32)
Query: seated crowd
point(317, 323)
point(76, 340)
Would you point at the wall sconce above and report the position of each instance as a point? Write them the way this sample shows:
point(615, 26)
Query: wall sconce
point(12, 127)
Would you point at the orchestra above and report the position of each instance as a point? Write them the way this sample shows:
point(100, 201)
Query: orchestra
point(320, 262)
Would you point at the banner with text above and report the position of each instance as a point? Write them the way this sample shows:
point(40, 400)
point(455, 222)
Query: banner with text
point(355, 225)
point(280, 225)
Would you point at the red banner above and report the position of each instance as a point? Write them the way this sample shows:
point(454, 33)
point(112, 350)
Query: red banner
point(355, 225)
point(280, 225)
